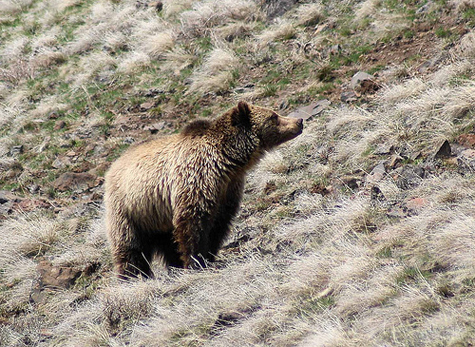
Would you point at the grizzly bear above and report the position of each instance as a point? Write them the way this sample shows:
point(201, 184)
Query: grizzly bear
point(175, 196)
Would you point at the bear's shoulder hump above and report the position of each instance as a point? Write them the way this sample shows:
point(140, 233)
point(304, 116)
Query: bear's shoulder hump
point(196, 128)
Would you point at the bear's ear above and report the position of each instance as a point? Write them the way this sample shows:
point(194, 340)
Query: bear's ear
point(241, 113)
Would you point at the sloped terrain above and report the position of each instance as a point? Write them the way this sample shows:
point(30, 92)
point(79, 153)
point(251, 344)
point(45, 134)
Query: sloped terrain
point(359, 232)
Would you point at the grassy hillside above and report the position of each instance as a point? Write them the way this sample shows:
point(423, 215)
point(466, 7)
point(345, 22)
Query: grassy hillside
point(360, 232)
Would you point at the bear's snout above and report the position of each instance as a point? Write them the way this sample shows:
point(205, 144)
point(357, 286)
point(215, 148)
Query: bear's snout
point(300, 123)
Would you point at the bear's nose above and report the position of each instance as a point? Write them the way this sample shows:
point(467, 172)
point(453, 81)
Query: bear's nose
point(300, 123)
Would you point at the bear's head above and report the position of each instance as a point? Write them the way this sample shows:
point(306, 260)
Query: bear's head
point(270, 128)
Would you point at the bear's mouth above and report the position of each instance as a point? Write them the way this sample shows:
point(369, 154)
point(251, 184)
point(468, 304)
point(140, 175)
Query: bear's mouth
point(294, 134)
point(299, 129)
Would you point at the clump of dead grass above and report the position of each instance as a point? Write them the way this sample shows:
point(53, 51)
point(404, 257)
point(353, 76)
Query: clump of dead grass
point(42, 233)
point(282, 31)
point(211, 13)
point(216, 72)
point(309, 14)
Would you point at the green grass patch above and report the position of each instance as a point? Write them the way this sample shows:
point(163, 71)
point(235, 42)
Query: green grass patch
point(442, 32)
point(385, 252)
point(269, 90)
point(116, 152)
point(412, 274)
point(469, 16)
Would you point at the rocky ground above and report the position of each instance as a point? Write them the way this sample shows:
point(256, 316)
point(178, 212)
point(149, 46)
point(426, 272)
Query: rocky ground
point(358, 232)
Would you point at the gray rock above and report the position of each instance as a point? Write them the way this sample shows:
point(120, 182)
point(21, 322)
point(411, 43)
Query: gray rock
point(7, 199)
point(33, 188)
point(60, 163)
point(408, 176)
point(311, 110)
point(425, 8)
point(383, 148)
point(75, 181)
point(363, 82)
point(378, 173)
point(466, 160)
point(335, 49)
point(348, 96)
point(156, 127)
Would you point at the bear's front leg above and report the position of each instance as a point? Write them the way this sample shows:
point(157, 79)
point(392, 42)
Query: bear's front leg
point(192, 229)
point(227, 210)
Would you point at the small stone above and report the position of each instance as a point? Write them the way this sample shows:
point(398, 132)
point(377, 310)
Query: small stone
point(34, 188)
point(416, 203)
point(348, 96)
point(425, 8)
point(335, 49)
point(147, 105)
point(56, 276)
point(363, 82)
point(156, 127)
point(74, 181)
point(383, 149)
point(320, 106)
point(377, 174)
point(157, 5)
point(394, 161)
point(15, 150)
point(444, 150)
point(467, 140)
point(359, 77)
point(59, 125)
point(58, 163)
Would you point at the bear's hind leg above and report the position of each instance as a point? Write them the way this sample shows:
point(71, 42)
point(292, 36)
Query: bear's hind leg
point(167, 247)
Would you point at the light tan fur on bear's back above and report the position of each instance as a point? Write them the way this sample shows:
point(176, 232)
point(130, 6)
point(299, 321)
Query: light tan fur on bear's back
point(148, 177)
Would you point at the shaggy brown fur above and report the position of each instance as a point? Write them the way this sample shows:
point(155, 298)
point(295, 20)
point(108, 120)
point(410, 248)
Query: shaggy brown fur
point(176, 195)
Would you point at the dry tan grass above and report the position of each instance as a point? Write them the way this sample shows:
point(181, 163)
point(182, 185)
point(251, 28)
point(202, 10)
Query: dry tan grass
point(309, 14)
point(174, 7)
point(14, 6)
point(215, 75)
point(157, 45)
point(305, 266)
point(284, 30)
point(366, 8)
point(461, 5)
point(177, 59)
point(212, 13)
